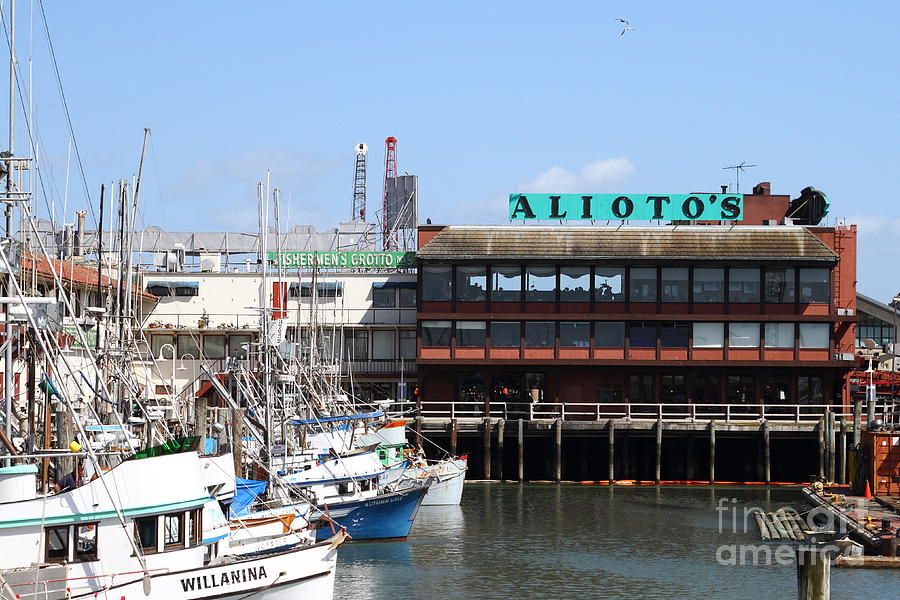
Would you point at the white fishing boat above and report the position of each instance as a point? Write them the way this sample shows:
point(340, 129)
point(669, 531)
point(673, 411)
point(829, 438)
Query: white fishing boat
point(137, 531)
point(447, 479)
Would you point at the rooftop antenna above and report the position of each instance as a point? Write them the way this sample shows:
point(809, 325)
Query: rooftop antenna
point(737, 174)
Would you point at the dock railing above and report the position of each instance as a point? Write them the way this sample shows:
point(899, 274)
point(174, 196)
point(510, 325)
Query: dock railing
point(787, 413)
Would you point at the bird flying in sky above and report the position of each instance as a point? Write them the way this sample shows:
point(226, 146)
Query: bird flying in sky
point(623, 21)
point(627, 29)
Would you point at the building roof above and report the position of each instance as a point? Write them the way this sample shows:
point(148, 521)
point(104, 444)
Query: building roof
point(873, 307)
point(73, 274)
point(707, 243)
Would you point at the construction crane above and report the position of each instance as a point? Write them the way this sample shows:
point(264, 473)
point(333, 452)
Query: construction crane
point(388, 236)
point(358, 209)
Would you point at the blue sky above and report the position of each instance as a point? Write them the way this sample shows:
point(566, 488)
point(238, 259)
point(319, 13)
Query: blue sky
point(484, 98)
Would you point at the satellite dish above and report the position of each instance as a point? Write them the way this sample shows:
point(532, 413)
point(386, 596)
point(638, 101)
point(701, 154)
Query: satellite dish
point(870, 343)
point(884, 358)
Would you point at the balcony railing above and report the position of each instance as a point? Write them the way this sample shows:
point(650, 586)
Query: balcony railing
point(386, 367)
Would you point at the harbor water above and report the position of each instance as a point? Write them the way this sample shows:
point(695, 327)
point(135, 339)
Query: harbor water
point(544, 541)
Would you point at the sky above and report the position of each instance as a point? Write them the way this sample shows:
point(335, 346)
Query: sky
point(485, 99)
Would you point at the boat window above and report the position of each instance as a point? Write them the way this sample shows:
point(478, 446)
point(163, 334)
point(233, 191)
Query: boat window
point(174, 530)
point(345, 487)
point(145, 532)
point(195, 526)
point(57, 544)
point(86, 542)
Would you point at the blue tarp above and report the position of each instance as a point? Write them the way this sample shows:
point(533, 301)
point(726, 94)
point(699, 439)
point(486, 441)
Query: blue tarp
point(245, 493)
point(371, 415)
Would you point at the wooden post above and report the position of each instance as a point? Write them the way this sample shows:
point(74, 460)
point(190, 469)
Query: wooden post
point(611, 472)
point(454, 432)
point(200, 417)
point(689, 457)
point(813, 573)
point(237, 439)
point(842, 452)
point(419, 421)
point(520, 449)
point(821, 430)
point(558, 447)
point(501, 429)
point(712, 452)
point(832, 474)
point(659, 429)
point(857, 414)
point(486, 441)
point(767, 457)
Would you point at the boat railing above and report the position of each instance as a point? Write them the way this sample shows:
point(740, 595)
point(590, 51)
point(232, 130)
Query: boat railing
point(683, 411)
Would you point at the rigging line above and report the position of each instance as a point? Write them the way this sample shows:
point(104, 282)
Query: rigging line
point(62, 94)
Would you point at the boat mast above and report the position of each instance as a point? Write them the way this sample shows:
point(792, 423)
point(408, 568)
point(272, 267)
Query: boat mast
point(8, 353)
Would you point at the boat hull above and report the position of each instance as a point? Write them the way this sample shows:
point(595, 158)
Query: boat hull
point(445, 492)
point(385, 517)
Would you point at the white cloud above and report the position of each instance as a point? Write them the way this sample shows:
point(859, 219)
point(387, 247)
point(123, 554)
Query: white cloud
point(872, 224)
point(596, 176)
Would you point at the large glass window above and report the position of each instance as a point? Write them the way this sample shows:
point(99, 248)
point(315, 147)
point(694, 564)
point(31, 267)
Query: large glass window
point(188, 346)
point(435, 333)
point(609, 393)
point(809, 390)
point(383, 297)
point(407, 344)
point(505, 334)
point(470, 387)
point(407, 297)
point(709, 285)
point(709, 335)
point(383, 344)
point(674, 335)
point(743, 335)
point(436, 284)
point(707, 389)
point(642, 335)
point(868, 326)
point(214, 346)
point(775, 389)
point(741, 389)
point(540, 334)
point(674, 284)
point(575, 285)
point(643, 284)
point(575, 334)
point(471, 334)
point(239, 345)
point(814, 284)
point(471, 284)
point(779, 335)
point(356, 342)
point(743, 285)
point(609, 334)
point(162, 345)
point(780, 285)
point(609, 284)
point(814, 335)
point(506, 284)
point(641, 388)
point(672, 390)
point(56, 542)
point(540, 284)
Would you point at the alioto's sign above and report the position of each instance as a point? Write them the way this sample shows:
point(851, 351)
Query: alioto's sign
point(343, 260)
point(613, 207)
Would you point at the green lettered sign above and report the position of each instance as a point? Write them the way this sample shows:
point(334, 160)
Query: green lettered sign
point(616, 207)
point(343, 260)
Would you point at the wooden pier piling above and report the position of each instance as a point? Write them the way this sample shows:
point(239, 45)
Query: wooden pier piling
point(501, 430)
point(486, 441)
point(611, 468)
point(820, 429)
point(813, 573)
point(712, 452)
point(659, 432)
point(520, 449)
point(558, 448)
point(454, 434)
point(842, 452)
point(767, 457)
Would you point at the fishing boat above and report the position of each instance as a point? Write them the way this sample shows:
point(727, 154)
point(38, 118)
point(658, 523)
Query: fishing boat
point(447, 478)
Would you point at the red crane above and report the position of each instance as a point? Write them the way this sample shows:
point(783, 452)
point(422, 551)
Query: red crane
point(388, 237)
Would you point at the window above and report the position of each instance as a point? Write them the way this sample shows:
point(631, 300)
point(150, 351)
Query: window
point(741, 389)
point(674, 284)
point(779, 335)
point(609, 392)
point(407, 297)
point(672, 390)
point(641, 388)
point(471, 284)
point(873, 328)
point(743, 285)
point(575, 334)
point(214, 346)
point(470, 387)
point(356, 344)
point(383, 297)
point(145, 533)
point(709, 285)
point(809, 390)
point(743, 335)
point(436, 284)
point(609, 284)
point(507, 387)
point(506, 284)
point(814, 335)
point(775, 389)
point(609, 334)
point(159, 345)
point(173, 288)
point(540, 334)
point(239, 345)
point(642, 335)
point(435, 333)
point(707, 388)
point(195, 526)
point(674, 335)
point(188, 344)
point(56, 542)
point(173, 530)
point(505, 334)
point(540, 284)
point(814, 284)
point(407, 344)
point(534, 383)
point(383, 344)
point(643, 285)
point(575, 285)
point(325, 289)
point(709, 335)
point(780, 286)
point(471, 334)
point(86, 542)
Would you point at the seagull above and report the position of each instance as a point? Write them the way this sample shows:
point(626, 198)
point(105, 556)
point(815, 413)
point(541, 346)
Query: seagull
point(623, 21)
point(627, 29)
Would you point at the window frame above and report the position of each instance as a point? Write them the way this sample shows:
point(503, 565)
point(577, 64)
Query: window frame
point(137, 536)
point(518, 336)
point(180, 542)
point(78, 556)
point(67, 542)
point(388, 298)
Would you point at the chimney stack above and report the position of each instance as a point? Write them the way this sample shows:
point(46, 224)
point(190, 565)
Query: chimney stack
point(79, 232)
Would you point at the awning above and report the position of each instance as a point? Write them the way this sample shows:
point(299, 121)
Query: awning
point(392, 285)
point(338, 419)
